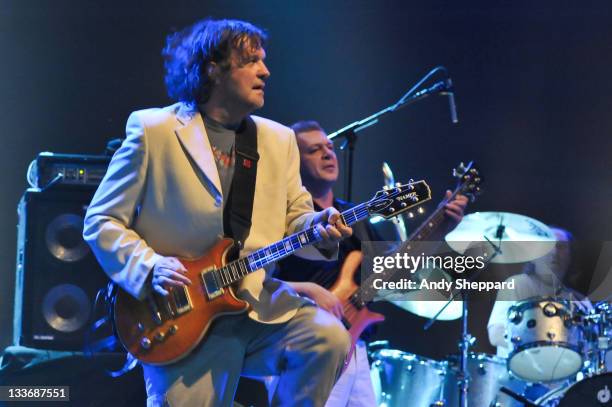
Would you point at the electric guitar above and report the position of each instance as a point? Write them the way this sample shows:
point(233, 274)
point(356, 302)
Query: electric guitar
point(163, 329)
point(357, 316)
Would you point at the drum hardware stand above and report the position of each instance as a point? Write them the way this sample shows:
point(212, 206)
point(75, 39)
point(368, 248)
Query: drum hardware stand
point(518, 397)
point(349, 132)
point(603, 341)
point(467, 339)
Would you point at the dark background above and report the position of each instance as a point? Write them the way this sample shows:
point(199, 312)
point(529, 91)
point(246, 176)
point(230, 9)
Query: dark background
point(532, 82)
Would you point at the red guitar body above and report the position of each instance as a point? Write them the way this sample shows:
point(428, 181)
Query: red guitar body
point(180, 330)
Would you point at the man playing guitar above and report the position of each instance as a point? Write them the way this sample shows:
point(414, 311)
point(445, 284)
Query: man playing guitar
point(166, 196)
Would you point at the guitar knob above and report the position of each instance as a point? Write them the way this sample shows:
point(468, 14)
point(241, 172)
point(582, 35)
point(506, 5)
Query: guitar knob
point(145, 343)
point(172, 330)
point(421, 210)
point(391, 210)
point(140, 327)
point(160, 336)
point(403, 205)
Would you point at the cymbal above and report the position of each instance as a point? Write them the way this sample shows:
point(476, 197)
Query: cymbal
point(519, 237)
point(426, 303)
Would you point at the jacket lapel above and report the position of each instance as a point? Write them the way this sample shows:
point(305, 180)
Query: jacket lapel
point(194, 139)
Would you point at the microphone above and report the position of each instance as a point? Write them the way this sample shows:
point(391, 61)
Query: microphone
point(440, 87)
point(451, 101)
point(444, 87)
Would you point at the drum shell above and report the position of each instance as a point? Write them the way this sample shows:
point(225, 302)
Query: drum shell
point(404, 379)
point(487, 374)
point(546, 346)
point(595, 391)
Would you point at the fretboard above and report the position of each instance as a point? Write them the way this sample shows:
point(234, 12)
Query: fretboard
point(237, 269)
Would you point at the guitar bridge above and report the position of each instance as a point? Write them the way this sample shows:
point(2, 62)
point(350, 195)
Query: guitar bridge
point(211, 284)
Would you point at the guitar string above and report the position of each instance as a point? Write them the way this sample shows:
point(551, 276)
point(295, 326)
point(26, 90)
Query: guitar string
point(359, 211)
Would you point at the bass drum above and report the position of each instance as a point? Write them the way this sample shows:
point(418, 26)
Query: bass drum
point(403, 379)
point(595, 391)
point(488, 374)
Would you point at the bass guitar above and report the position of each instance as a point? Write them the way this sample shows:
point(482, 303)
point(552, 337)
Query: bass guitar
point(355, 298)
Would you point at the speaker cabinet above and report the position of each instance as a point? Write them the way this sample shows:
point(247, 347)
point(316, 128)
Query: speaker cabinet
point(57, 275)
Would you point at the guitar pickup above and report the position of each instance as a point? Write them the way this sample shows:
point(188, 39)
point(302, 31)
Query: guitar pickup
point(211, 284)
point(356, 300)
point(182, 301)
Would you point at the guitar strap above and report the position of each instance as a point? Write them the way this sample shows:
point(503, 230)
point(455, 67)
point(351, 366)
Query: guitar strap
point(239, 206)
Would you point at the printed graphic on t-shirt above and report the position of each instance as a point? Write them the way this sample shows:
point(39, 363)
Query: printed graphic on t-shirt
point(223, 159)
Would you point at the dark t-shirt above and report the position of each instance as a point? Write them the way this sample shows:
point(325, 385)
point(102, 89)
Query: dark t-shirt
point(222, 141)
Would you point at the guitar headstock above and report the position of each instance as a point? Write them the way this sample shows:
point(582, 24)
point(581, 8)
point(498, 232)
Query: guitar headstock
point(469, 180)
point(392, 201)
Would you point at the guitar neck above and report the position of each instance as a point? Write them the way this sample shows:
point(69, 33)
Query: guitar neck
point(236, 270)
point(366, 292)
point(431, 223)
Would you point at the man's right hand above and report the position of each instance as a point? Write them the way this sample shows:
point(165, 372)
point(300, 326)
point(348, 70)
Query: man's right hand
point(169, 271)
point(321, 296)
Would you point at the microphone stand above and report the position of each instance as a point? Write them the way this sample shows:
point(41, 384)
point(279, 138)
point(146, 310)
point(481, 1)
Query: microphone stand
point(349, 132)
point(467, 339)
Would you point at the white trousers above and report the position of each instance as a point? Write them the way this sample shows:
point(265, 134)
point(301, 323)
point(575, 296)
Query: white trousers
point(353, 388)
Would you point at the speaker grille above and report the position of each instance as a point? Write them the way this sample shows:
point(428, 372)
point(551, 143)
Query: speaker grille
point(57, 274)
point(66, 308)
point(63, 238)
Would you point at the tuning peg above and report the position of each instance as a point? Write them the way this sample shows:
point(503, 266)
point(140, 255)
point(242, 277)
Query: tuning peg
point(459, 170)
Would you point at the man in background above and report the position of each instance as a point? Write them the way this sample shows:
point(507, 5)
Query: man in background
point(319, 171)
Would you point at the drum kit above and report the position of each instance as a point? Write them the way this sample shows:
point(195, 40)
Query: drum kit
point(558, 355)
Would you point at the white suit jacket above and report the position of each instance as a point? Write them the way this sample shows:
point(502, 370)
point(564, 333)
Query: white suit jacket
point(162, 196)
